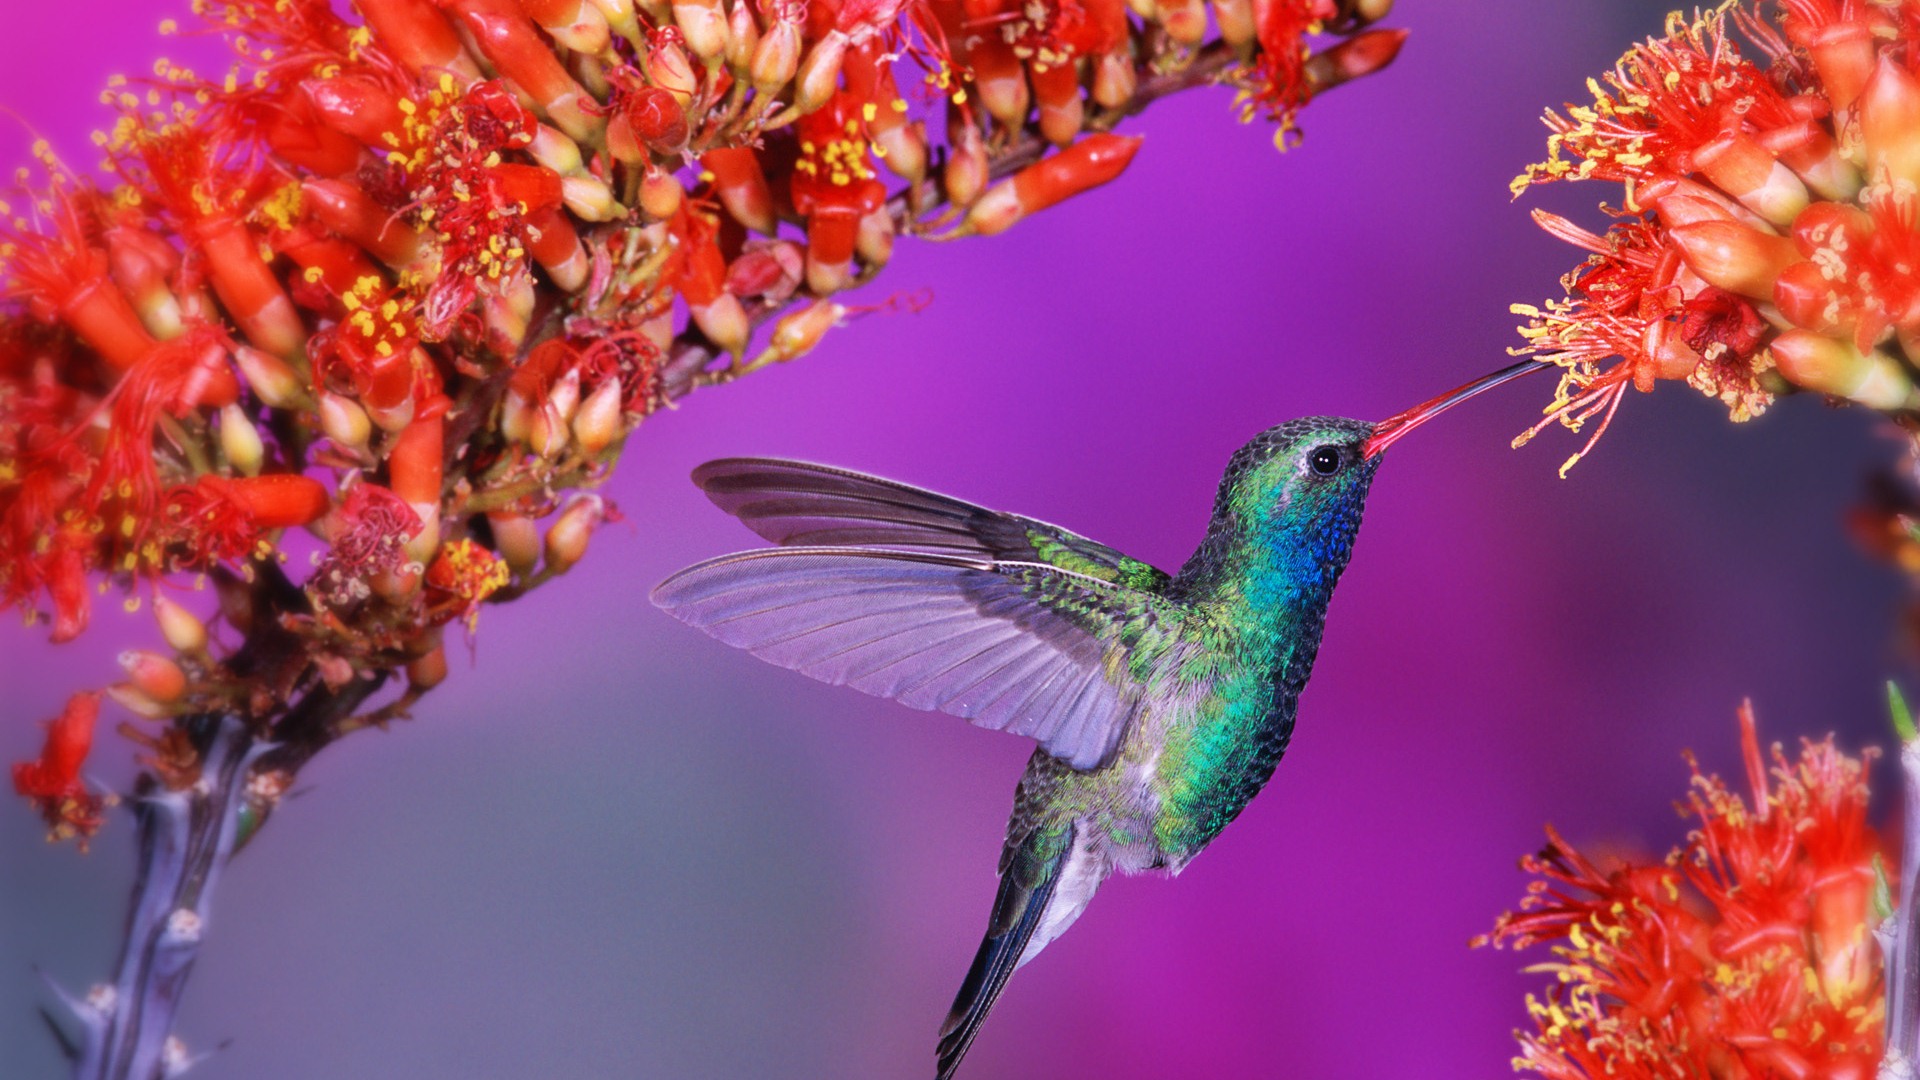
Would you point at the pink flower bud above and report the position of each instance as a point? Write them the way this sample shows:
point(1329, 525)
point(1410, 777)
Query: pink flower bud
point(820, 72)
point(590, 198)
point(1114, 79)
point(776, 59)
point(1842, 53)
point(429, 671)
point(1820, 363)
point(874, 241)
point(1360, 55)
point(667, 64)
point(1735, 257)
point(743, 39)
point(796, 335)
point(181, 629)
point(704, 25)
point(1185, 21)
point(600, 419)
point(903, 150)
point(1890, 122)
point(154, 675)
point(1237, 26)
point(660, 195)
point(966, 173)
point(724, 322)
point(517, 539)
point(567, 539)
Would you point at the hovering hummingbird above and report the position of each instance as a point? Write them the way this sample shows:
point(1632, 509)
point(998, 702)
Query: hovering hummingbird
point(1161, 703)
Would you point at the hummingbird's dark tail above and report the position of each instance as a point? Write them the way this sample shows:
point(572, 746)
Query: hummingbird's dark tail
point(1026, 888)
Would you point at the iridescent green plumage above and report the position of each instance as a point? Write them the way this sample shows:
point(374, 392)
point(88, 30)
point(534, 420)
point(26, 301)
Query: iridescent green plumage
point(1161, 703)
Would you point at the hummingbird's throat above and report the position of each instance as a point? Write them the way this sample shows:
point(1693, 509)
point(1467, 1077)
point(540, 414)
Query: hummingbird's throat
point(1389, 431)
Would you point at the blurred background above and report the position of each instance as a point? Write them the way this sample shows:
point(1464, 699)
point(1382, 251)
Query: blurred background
point(611, 847)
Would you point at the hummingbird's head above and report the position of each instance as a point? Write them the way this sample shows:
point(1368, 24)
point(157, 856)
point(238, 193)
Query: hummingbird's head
point(1294, 493)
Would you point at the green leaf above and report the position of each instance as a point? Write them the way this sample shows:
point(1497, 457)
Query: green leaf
point(1902, 716)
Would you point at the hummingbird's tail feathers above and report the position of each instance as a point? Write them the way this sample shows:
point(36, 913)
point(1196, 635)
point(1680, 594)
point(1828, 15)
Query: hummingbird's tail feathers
point(797, 503)
point(1026, 890)
point(1012, 647)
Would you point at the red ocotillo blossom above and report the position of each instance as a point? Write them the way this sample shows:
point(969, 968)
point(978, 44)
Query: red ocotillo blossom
point(343, 325)
point(1767, 226)
point(1746, 953)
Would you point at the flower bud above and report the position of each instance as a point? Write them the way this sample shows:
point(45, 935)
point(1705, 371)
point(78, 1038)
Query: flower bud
point(1360, 55)
point(156, 676)
point(776, 58)
point(599, 421)
point(344, 421)
point(667, 65)
point(1087, 164)
point(516, 417)
point(820, 72)
point(742, 186)
point(1237, 26)
point(902, 148)
point(1890, 122)
point(567, 539)
point(660, 195)
point(797, 334)
point(966, 173)
point(743, 38)
point(1185, 21)
point(724, 322)
point(1842, 53)
point(429, 671)
point(517, 539)
point(1820, 363)
point(240, 441)
point(1743, 169)
point(556, 151)
point(1735, 257)
point(181, 629)
point(590, 198)
point(874, 240)
point(273, 381)
point(575, 24)
point(130, 698)
point(1114, 79)
point(704, 26)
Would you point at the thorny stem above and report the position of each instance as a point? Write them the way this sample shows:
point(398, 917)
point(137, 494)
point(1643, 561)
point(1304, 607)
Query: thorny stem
point(1900, 937)
point(186, 837)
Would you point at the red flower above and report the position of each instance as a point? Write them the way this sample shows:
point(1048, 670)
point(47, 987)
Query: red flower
point(52, 782)
point(1768, 237)
point(1745, 954)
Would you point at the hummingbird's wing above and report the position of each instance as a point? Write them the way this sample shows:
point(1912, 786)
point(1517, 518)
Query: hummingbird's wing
point(1025, 647)
point(799, 504)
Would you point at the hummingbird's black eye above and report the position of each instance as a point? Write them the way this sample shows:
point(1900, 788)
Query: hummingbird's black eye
point(1325, 461)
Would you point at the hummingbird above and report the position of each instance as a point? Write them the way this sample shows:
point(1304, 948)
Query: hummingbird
point(1161, 702)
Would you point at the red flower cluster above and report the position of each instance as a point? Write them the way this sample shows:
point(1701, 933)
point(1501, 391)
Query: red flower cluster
point(1746, 954)
point(406, 281)
point(1770, 220)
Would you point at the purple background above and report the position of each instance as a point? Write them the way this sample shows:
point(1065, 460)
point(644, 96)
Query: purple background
point(612, 847)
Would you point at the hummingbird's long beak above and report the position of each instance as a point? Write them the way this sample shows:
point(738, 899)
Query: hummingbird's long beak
point(1388, 431)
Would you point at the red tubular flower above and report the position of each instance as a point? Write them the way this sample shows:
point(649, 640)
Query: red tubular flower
point(1746, 954)
point(1785, 179)
point(63, 276)
point(52, 781)
point(408, 275)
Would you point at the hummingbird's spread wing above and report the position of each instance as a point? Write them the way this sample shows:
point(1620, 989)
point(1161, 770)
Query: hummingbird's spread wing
point(1024, 647)
point(799, 504)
